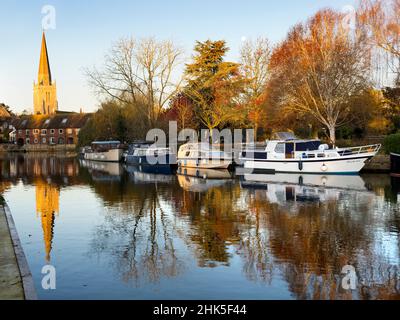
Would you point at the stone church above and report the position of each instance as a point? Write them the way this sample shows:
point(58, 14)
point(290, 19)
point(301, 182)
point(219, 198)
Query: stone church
point(47, 125)
point(45, 90)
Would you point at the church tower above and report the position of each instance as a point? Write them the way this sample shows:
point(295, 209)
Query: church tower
point(44, 91)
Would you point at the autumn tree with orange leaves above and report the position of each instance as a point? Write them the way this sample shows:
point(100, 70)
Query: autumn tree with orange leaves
point(254, 60)
point(381, 21)
point(319, 68)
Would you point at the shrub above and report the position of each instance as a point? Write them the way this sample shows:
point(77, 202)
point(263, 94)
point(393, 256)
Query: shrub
point(392, 143)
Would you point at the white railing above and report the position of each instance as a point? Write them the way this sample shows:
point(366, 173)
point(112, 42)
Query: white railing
point(373, 148)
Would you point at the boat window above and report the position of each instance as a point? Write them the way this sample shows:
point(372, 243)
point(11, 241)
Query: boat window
point(321, 155)
point(280, 148)
point(308, 145)
point(289, 148)
point(187, 153)
point(260, 155)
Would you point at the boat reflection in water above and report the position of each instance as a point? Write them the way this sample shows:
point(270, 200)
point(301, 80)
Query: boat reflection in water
point(302, 188)
point(103, 171)
point(200, 180)
point(150, 174)
point(395, 184)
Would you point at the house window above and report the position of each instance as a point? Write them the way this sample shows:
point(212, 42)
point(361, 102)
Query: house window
point(60, 131)
point(44, 140)
point(44, 131)
point(36, 131)
point(35, 141)
point(27, 132)
point(47, 121)
point(27, 141)
point(52, 140)
point(19, 131)
point(52, 131)
point(64, 121)
point(76, 131)
point(69, 131)
point(60, 141)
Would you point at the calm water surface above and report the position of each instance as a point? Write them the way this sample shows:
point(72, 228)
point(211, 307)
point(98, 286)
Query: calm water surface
point(124, 233)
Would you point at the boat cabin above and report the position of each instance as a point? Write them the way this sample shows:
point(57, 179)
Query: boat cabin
point(104, 146)
point(288, 149)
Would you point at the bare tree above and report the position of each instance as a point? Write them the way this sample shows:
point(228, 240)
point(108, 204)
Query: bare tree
point(254, 59)
point(319, 68)
point(139, 71)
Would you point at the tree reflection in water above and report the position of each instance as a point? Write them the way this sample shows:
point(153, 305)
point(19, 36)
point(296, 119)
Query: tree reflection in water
point(311, 241)
point(154, 226)
point(138, 232)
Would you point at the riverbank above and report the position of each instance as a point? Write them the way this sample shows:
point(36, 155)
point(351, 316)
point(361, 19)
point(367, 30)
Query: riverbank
point(378, 164)
point(64, 148)
point(16, 281)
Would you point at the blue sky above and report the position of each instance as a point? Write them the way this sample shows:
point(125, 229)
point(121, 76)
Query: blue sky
point(85, 30)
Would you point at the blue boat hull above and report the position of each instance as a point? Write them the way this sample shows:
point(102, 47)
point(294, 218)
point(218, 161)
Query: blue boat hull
point(395, 164)
point(165, 160)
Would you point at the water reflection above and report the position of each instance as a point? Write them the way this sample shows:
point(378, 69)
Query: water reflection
point(157, 225)
point(200, 180)
point(47, 206)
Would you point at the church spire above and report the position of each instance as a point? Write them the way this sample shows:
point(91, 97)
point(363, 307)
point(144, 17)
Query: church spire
point(44, 77)
point(44, 91)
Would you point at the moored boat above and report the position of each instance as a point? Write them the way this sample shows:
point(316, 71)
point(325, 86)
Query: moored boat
point(146, 153)
point(106, 151)
point(203, 156)
point(395, 164)
point(292, 155)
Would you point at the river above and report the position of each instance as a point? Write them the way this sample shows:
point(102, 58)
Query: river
point(116, 232)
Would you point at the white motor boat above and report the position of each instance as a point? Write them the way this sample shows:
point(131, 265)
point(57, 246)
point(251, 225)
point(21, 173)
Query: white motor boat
point(107, 151)
point(291, 155)
point(203, 156)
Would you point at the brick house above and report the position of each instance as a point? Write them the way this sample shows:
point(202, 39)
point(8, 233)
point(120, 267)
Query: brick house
point(58, 129)
point(5, 119)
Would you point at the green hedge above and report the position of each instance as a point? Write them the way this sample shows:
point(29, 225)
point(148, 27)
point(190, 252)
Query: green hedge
point(392, 143)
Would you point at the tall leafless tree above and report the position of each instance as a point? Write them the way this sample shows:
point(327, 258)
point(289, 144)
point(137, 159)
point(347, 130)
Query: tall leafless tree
point(139, 72)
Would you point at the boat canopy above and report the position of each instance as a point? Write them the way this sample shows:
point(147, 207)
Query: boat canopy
point(286, 136)
point(104, 146)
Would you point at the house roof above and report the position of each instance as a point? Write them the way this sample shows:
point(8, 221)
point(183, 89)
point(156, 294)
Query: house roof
point(51, 122)
point(3, 112)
